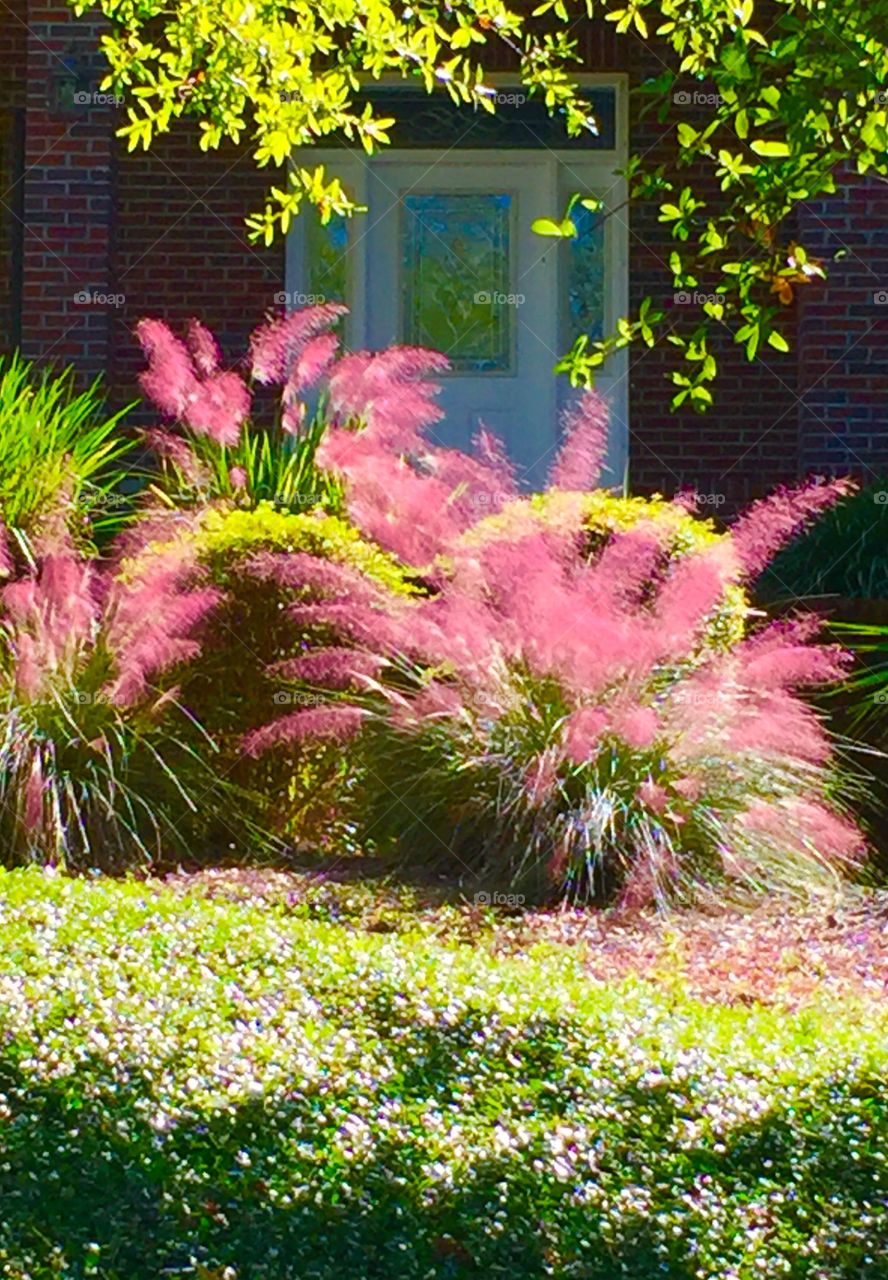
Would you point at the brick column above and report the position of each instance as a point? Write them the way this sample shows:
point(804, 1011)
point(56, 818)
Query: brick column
point(68, 290)
point(13, 54)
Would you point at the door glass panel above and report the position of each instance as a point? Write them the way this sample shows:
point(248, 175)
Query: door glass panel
point(326, 251)
point(586, 275)
point(456, 273)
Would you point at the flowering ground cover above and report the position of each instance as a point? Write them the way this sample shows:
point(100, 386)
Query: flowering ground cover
point(242, 1078)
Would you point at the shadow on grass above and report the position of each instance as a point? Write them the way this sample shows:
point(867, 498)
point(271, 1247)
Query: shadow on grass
point(88, 1186)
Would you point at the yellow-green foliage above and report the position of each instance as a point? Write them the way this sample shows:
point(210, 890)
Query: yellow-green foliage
point(602, 514)
point(226, 535)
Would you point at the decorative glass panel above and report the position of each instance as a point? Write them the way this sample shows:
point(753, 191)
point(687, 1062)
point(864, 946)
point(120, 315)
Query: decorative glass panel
point(456, 279)
point(586, 275)
point(326, 251)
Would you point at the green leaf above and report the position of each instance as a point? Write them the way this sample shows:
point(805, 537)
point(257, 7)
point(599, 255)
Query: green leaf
point(767, 147)
point(548, 227)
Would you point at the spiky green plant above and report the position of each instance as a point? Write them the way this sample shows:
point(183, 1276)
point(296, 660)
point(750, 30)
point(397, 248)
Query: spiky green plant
point(266, 466)
point(59, 451)
point(223, 445)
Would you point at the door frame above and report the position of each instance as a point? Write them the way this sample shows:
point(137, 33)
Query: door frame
point(352, 165)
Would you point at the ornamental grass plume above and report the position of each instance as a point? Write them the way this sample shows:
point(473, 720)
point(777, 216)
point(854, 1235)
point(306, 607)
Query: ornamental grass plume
point(277, 345)
point(214, 449)
point(99, 763)
point(579, 461)
point(184, 382)
point(558, 713)
point(770, 523)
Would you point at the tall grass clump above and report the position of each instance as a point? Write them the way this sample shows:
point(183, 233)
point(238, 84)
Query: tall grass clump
point(221, 441)
point(572, 705)
point(239, 487)
point(60, 453)
point(101, 764)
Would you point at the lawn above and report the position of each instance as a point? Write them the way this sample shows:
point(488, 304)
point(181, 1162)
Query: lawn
point(272, 1077)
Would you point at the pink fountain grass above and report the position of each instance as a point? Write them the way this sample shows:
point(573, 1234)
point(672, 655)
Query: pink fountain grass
point(771, 522)
point(170, 378)
point(168, 447)
point(277, 345)
point(98, 763)
point(301, 571)
point(203, 349)
point(337, 667)
point(154, 624)
point(335, 723)
point(186, 383)
point(313, 364)
point(390, 391)
point(579, 461)
point(218, 407)
point(69, 611)
point(53, 615)
point(568, 702)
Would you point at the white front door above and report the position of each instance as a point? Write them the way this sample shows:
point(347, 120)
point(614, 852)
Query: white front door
point(445, 258)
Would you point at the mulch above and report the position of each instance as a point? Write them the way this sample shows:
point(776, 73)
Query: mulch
point(778, 953)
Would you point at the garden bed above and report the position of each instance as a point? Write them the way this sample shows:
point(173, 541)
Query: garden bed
point(225, 1077)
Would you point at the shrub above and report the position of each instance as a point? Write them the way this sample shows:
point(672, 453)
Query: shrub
point(552, 714)
point(234, 686)
point(58, 453)
point(101, 764)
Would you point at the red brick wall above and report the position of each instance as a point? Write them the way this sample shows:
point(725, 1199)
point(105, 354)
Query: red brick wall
point(13, 56)
point(180, 246)
point(13, 53)
point(843, 409)
point(68, 195)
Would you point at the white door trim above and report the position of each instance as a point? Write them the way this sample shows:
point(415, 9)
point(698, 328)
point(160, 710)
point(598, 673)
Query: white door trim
point(567, 170)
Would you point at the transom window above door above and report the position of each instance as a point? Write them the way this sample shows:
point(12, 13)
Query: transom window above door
point(445, 257)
